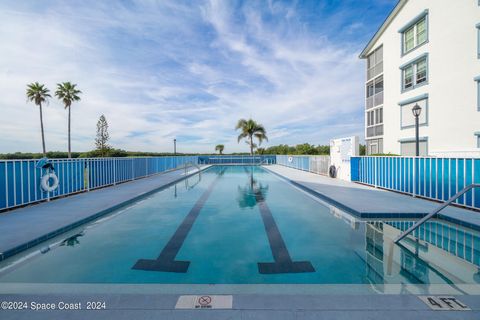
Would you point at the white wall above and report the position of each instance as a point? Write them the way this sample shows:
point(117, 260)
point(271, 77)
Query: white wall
point(341, 150)
point(452, 65)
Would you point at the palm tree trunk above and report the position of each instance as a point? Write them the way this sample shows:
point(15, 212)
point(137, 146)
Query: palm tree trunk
point(251, 145)
point(41, 128)
point(69, 144)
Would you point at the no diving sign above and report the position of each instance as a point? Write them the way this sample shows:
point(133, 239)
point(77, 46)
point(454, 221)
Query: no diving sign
point(205, 302)
point(444, 303)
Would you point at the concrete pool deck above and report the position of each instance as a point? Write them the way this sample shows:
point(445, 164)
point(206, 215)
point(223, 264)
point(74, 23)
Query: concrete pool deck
point(26, 227)
point(372, 203)
point(281, 307)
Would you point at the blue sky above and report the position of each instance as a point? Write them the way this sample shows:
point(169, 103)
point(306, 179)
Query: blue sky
point(189, 70)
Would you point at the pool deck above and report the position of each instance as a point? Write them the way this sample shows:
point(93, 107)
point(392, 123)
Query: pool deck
point(372, 203)
point(26, 227)
point(32, 223)
point(279, 307)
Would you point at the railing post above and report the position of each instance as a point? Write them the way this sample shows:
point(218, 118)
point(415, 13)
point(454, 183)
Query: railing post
point(414, 177)
point(87, 171)
point(114, 171)
point(133, 178)
point(375, 171)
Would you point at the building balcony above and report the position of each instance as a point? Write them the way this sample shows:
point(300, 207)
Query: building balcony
point(375, 70)
point(375, 131)
point(374, 100)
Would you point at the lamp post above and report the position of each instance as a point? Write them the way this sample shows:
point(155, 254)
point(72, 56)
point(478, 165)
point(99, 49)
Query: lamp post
point(174, 147)
point(417, 110)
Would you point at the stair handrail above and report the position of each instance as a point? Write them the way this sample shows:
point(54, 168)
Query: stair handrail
point(436, 211)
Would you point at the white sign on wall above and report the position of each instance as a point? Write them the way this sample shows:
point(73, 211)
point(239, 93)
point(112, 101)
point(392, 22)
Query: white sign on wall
point(341, 150)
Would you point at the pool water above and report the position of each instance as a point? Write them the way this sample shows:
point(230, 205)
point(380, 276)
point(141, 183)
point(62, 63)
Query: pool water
point(245, 225)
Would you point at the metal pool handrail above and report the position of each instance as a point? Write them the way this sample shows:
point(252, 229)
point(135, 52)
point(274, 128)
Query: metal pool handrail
point(437, 210)
point(191, 164)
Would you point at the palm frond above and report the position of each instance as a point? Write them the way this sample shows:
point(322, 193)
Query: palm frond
point(67, 92)
point(37, 93)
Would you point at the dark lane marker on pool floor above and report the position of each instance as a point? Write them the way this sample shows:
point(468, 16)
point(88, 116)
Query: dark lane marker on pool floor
point(166, 260)
point(283, 262)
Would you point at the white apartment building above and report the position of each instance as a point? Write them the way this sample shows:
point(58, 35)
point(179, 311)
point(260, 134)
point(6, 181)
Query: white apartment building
point(427, 52)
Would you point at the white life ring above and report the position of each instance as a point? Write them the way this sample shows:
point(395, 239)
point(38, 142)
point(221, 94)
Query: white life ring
point(290, 159)
point(46, 186)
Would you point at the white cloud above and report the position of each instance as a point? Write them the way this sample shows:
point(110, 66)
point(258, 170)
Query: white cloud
point(159, 71)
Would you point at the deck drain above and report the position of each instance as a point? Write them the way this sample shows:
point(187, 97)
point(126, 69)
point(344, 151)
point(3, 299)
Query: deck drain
point(444, 303)
point(205, 302)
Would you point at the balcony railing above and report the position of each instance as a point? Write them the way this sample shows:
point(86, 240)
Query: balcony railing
point(375, 70)
point(375, 131)
point(374, 100)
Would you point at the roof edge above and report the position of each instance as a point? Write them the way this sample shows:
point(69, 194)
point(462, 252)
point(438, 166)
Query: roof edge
point(385, 24)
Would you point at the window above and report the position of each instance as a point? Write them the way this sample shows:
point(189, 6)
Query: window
point(415, 33)
point(379, 116)
point(379, 85)
point(421, 31)
point(409, 39)
point(478, 140)
point(477, 83)
point(421, 71)
point(478, 40)
point(370, 91)
point(370, 118)
point(408, 148)
point(478, 95)
point(408, 77)
point(374, 93)
point(375, 63)
point(374, 146)
point(415, 73)
point(407, 120)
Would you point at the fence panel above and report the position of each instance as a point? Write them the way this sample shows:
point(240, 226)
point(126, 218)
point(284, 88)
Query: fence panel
point(20, 179)
point(315, 164)
point(433, 178)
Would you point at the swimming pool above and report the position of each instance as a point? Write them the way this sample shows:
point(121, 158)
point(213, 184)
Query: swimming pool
point(245, 225)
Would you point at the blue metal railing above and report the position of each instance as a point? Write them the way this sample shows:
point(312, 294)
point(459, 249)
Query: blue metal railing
point(20, 179)
point(433, 178)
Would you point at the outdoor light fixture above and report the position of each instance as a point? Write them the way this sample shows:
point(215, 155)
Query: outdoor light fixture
point(417, 110)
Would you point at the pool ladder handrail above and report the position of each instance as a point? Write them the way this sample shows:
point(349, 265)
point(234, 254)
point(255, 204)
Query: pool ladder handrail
point(191, 164)
point(436, 211)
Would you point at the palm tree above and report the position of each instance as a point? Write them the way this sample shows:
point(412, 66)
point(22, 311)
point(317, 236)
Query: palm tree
point(250, 129)
point(68, 93)
point(39, 94)
point(220, 148)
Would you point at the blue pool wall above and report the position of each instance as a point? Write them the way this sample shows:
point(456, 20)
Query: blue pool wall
point(428, 177)
point(20, 179)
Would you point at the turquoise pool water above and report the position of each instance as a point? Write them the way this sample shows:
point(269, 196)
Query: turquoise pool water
point(244, 225)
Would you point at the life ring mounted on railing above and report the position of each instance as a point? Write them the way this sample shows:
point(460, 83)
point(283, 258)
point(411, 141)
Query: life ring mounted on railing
point(290, 159)
point(49, 182)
